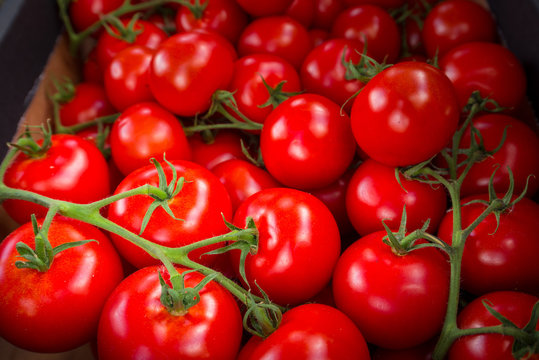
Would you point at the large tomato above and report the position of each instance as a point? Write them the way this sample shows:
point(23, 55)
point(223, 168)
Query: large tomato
point(406, 114)
point(58, 309)
point(397, 301)
point(298, 246)
point(134, 323)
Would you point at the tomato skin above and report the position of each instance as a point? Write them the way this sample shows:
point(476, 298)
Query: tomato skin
point(413, 107)
point(386, 294)
point(306, 142)
point(387, 4)
point(190, 66)
point(374, 194)
point(490, 68)
point(89, 102)
point(515, 306)
point(201, 203)
point(72, 169)
point(144, 131)
point(498, 257)
point(299, 244)
point(310, 331)
point(56, 310)
point(302, 11)
point(134, 322)
point(260, 8)
point(454, 22)
point(225, 145)
point(325, 13)
point(84, 13)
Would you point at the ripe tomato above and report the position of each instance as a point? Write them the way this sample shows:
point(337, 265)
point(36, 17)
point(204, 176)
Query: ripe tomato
point(277, 35)
point(310, 331)
point(406, 114)
point(498, 257)
point(455, 22)
point(374, 195)
point(224, 145)
point(201, 203)
point(385, 294)
point(306, 142)
point(302, 11)
point(144, 131)
point(84, 13)
point(71, 169)
point(325, 13)
point(298, 246)
point(56, 310)
point(135, 324)
point(259, 8)
point(515, 306)
point(89, 102)
point(188, 68)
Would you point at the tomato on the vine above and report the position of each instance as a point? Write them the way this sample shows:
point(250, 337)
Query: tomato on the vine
point(89, 101)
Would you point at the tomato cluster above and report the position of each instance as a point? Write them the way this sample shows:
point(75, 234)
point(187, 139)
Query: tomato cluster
point(313, 166)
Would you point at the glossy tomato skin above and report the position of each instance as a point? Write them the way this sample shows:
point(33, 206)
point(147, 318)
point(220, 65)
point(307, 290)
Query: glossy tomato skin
point(225, 145)
point(298, 246)
point(498, 257)
point(310, 331)
point(490, 68)
point(375, 195)
point(202, 203)
point(89, 102)
point(72, 169)
point(84, 13)
point(306, 142)
point(325, 13)
point(515, 306)
point(188, 68)
point(134, 323)
point(57, 310)
point(398, 301)
point(144, 131)
point(278, 35)
point(302, 11)
point(455, 22)
point(406, 114)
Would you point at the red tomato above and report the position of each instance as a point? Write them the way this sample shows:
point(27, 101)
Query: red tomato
point(224, 145)
point(306, 142)
point(225, 17)
point(89, 102)
point(58, 309)
point(91, 72)
point(302, 11)
point(243, 179)
point(143, 131)
point(374, 195)
point(419, 352)
point(318, 36)
point(84, 13)
point(134, 323)
point(190, 66)
point(515, 306)
point(455, 22)
point(398, 301)
point(372, 25)
point(72, 169)
point(406, 114)
point(258, 8)
point(413, 38)
point(310, 331)
point(489, 68)
point(277, 35)
point(201, 203)
point(325, 12)
point(298, 246)
point(498, 257)
point(126, 77)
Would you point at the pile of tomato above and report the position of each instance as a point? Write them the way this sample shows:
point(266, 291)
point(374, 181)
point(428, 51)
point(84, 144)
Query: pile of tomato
point(301, 124)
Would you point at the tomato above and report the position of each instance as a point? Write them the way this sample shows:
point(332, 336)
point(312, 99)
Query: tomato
point(89, 102)
point(202, 203)
point(325, 12)
point(91, 72)
point(374, 195)
point(310, 331)
point(388, 4)
point(406, 114)
point(126, 77)
point(323, 73)
point(58, 309)
point(84, 13)
point(302, 11)
point(413, 37)
point(277, 35)
point(371, 25)
point(248, 87)
point(225, 17)
point(71, 169)
point(515, 306)
point(489, 68)
point(259, 8)
point(190, 66)
point(224, 145)
point(135, 324)
point(318, 36)
point(243, 179)
point(306, 142)
point(397, 301)
point(298, 246)
point(498, 257)
point(144, 131)
point(455, 22)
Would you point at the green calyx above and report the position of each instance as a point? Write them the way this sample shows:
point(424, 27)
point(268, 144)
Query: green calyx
point(263, 317)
